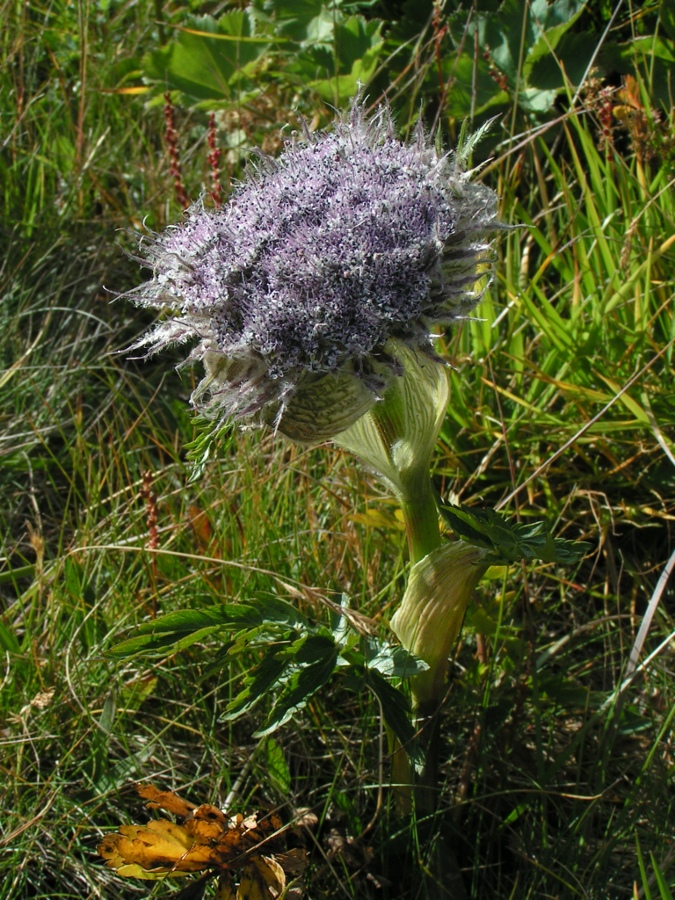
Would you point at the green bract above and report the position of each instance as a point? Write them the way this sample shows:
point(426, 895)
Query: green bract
point(430, 616)
point(397, 436)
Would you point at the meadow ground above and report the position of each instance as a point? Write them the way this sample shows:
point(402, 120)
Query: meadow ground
point(557, 778)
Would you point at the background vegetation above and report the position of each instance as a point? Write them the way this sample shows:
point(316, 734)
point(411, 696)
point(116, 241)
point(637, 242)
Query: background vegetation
point(557, 730)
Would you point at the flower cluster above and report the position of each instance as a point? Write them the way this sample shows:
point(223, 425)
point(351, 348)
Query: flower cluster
point(296, 287)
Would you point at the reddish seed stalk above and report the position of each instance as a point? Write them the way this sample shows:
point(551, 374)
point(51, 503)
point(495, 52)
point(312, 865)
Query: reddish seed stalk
point(171, 137)
point(606, 118)
point(214, 160)
point(496, 74)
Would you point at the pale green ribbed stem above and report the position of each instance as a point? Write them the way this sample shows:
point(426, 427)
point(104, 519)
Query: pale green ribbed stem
point(397, 437)
point(421, 520)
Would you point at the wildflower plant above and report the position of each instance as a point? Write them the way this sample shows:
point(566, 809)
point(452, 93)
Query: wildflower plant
point(312, 298)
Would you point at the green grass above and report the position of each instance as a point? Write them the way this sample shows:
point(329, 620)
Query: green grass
point(552, 785)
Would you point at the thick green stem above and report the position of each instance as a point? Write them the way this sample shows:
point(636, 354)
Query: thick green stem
point(422, 527)
point(444, 877)
point(421, 518)
point(421, 521)
point(428, 621)
point(397, 437)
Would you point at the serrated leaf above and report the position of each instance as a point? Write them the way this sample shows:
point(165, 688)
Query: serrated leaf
point(510, 542)
point(196, 636)
point(555, 19)
point(397, 712)
point(292, 18)
point(180, 628)
point(347, 50)
point(536, 100)
point(311, 648)
point(280, 612)
point(152, 643)
point(299, 689)
point(184, 621)
point(248, 637)
point(468, 526)
point(257, 685)
point(264, 613)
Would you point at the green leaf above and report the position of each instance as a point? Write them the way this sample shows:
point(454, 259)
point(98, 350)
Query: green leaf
point(320, 33)
point(311, 648)
point(569, 63)
point(260, 635)
point(310, 654)
point(555, 20)
point(207, 60)
point(136, 692)
point(650, 46)
point(78, 584)
point(292, 18)
point(664, 888)
point(154, 643)
point(257, 685)
point(184, 621)
point(643, 870)
point(280, 612)
point(8, 640)
point(347, 802)
point(536, 100)
point(388, 659)
point(514, 38)
point(276, 767)
point(180, 628)
point(97, 763)
point(212, 436)
point(300, 688)
point(510, 542)
point(339, 56)
point(396, 709)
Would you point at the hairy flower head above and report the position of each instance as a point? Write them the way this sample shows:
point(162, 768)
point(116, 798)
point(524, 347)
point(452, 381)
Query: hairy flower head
point(297, 291)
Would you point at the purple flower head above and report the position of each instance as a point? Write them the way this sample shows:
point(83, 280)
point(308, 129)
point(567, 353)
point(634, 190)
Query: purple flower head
point(296, 290)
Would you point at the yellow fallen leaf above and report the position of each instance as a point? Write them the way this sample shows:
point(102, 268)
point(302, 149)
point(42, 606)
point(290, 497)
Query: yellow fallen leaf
point(135, 871)
point(160, 847)
point(205, 841)
point(225, 889)
point(261, 879)
point(167, 800)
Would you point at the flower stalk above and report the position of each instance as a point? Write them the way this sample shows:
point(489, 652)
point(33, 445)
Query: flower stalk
point(421, 521)
point(397, 437)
